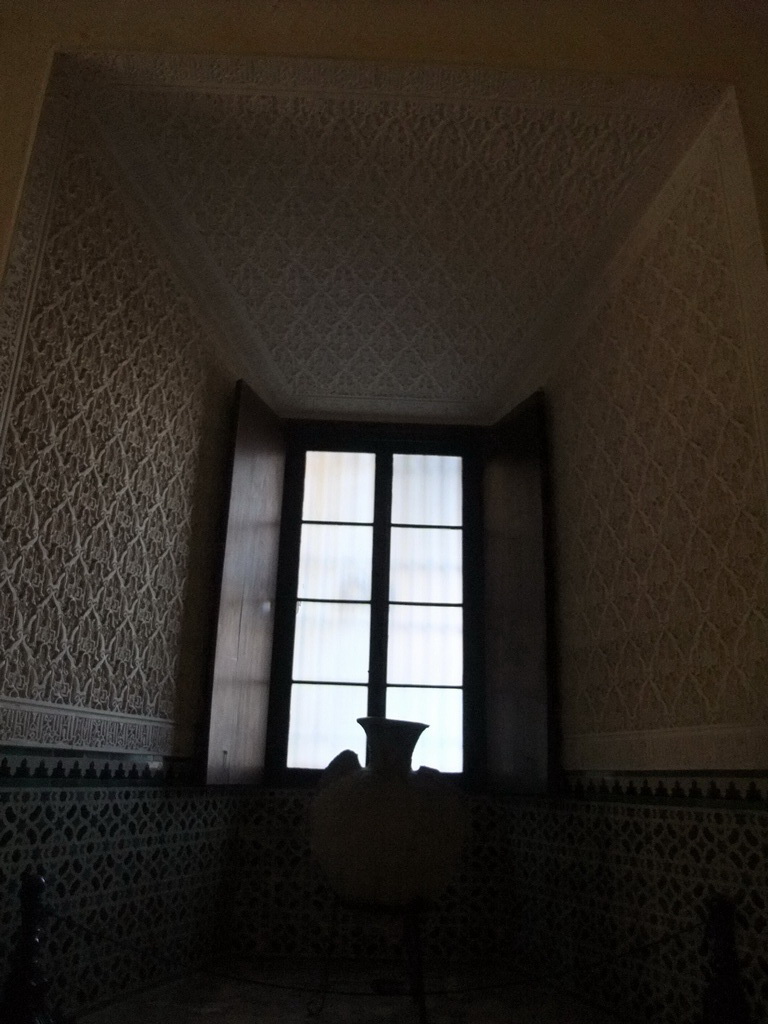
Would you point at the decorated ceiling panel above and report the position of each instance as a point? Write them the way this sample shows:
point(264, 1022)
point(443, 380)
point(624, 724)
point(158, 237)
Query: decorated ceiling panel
point(392, 242)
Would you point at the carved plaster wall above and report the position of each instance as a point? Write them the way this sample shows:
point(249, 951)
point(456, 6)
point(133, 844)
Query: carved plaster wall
point(661, 485)
point(105, 396)
point(382, 242)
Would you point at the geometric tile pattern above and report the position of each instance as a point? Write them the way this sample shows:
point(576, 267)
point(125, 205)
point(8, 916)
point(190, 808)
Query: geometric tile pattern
point(748, 790)
point(598, 881)
point(562, 890)
point(661, 492)
point(97, 479)
point(606, 898)
point(283, 906)
point(25, 768)
point(144, 866)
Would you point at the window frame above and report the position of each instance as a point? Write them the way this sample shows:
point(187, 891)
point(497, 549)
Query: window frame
point(386, 440)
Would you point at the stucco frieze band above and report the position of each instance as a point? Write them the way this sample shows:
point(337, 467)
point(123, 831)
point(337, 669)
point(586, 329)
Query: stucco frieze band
point(30, 723)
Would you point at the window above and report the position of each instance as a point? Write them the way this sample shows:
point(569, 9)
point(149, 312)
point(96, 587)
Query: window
point(374, 599)
point(267, 693)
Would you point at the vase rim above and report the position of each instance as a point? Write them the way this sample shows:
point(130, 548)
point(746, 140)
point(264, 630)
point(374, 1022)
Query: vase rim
point(378, 720)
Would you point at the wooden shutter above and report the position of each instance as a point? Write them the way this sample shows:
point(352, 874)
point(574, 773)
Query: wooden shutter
point(243, 651)
point(519, 658)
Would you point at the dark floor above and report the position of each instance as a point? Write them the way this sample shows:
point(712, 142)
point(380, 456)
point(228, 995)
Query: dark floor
point(357, 995)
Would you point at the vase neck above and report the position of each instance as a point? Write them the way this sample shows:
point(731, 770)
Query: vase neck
point(391, 742)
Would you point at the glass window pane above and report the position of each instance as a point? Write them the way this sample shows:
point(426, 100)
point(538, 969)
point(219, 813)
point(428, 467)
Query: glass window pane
point(331, 643)
point(324, 722)
point(425, 646)
point(335, 562)
point(441, 745)
point(425, 565)
point(426, 490)
point(338, 486)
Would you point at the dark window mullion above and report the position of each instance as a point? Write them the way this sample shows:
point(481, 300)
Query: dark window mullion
point(382, 511)
point(422, 686)
point(429, 604)
point(327, 682)
point(474, 662)
point(425, 526)
point(334, 522)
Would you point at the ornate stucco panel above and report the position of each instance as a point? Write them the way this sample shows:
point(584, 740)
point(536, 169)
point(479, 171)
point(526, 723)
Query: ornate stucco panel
point(98, 470)
point(662, 489)
point(391, 240)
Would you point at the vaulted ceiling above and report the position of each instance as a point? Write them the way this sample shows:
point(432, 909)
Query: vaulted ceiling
point(387, 242)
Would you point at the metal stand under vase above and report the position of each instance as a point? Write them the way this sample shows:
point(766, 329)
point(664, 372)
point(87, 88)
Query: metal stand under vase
point(387, 838)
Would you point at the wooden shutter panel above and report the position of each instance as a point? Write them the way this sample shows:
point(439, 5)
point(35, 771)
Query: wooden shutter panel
point(519, 661)
point(243, 651)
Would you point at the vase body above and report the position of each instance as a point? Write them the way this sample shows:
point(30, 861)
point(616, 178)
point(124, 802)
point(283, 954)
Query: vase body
point(384, 834)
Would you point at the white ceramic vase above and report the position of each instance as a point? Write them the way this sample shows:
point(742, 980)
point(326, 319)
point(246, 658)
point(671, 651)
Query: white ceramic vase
point(384, 834)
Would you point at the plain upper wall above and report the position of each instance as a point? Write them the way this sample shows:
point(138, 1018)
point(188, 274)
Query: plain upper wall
point(724, 40)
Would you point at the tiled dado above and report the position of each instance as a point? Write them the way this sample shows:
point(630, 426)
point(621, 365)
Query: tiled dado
point(24, 767)
point(616, 894)
point(606, 897)
point(731, 790)
point(144, 866)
